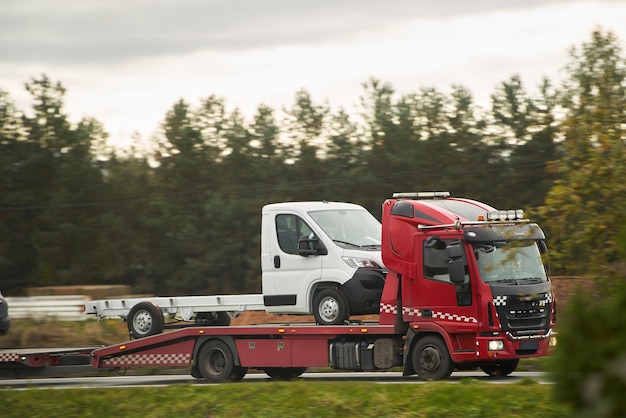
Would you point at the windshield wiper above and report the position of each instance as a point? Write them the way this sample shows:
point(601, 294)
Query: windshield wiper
point(533, 279)
point(514, 281)
point(346, 243)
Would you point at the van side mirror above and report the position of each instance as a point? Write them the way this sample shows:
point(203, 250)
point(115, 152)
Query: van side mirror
point(311, 246)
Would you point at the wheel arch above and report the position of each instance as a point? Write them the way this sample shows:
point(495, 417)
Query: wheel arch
point(317, 287)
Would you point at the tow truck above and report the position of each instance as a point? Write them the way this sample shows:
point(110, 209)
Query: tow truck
point(466, 287)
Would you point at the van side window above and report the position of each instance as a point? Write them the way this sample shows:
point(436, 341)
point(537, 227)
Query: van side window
point(289, 229)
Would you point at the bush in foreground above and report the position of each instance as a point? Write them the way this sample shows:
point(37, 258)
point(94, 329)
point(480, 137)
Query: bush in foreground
point(589, 365)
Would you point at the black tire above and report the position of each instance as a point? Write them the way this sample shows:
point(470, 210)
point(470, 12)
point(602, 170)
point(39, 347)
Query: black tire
point(501, 368)
point(284, 373)
point(431, 359)
point(213, 319)
point(330, 307)
point(145, 319)
point(216, 362)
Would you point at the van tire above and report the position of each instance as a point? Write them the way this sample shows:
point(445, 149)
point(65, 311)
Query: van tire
point(145, 319)
point(330, 307)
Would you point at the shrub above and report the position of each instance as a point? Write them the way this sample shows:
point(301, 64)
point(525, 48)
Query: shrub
point(589, 364)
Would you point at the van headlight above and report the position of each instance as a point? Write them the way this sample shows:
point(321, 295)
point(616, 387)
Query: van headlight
point(356, 263)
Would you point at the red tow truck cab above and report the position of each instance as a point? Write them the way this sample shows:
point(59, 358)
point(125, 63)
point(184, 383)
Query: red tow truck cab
point(465, 273)
point(466, 288)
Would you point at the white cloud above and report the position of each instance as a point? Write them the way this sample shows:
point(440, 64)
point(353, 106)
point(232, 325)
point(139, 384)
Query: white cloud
point(257, 56)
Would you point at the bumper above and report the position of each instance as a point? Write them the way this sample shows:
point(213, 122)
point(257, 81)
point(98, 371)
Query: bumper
point(364, 291)
point(536, 346)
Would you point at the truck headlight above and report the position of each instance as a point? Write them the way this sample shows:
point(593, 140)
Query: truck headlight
point(495, 345)
point(356, 262)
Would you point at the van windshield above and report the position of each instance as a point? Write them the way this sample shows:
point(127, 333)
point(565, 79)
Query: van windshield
point(349, 228)
point(510, 262)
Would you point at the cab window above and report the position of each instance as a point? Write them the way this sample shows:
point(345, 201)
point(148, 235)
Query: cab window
point(289, 229)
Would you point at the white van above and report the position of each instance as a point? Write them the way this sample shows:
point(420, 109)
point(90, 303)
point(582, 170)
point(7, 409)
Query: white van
point(322, 258)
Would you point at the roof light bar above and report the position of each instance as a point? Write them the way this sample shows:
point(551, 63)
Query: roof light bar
point(418, 195)
point(505, 215)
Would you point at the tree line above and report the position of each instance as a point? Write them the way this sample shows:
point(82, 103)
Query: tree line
point(183, 216)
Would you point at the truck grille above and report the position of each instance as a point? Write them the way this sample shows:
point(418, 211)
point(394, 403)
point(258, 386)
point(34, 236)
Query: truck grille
point(524, 314)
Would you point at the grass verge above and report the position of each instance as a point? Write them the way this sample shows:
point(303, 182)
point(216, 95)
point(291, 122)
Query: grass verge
point(296, 398)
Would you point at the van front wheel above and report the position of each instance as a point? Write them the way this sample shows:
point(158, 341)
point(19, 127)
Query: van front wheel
point(330, 307)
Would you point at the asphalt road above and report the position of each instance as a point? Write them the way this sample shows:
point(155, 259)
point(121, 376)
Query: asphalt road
point(110, 380)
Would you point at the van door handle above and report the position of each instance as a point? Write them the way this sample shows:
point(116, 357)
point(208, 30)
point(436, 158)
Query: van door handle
point(427, 313)
point(277, 261)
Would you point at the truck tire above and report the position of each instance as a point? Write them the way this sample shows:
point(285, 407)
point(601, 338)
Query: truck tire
point(216, 362)
point(330, 307)
point(145, 319)
point(213, 319)
point(431, 359)
point(284, 373)
point(501, 368)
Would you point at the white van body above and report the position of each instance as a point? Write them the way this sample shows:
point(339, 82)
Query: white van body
point(319, 258)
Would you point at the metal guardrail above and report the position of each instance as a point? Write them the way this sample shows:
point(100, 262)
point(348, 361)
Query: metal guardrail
point(64, 308)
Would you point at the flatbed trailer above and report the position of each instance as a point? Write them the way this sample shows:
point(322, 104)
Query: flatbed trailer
point(218, 354)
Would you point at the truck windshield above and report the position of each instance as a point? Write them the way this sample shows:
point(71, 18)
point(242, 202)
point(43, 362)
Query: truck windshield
point(349, 228)
point(513, 262)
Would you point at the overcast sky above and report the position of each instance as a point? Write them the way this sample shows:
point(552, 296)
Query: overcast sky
point(126, 62)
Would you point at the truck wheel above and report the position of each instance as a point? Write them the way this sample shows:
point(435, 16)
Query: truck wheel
point(145, 319)
point(213, 319)
point(501, 368)
point(284, 373)
point(330, 307)
point(431, 359)
point(216, 362)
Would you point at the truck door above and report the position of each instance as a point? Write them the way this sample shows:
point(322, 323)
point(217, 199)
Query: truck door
point(290, 273)
point(441, 300)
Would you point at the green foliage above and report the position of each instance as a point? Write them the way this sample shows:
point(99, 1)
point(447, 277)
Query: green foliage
point(589, 366)
point(583, 211)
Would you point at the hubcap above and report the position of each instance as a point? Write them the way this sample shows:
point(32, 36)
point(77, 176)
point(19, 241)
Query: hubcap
point(217, 362)
point(329, 309)
point(430, 359)
point(142, 322)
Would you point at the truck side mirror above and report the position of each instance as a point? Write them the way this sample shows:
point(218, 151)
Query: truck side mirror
point(456, 269)
point(434, 242)
point(454, 251)
point(456, 265)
